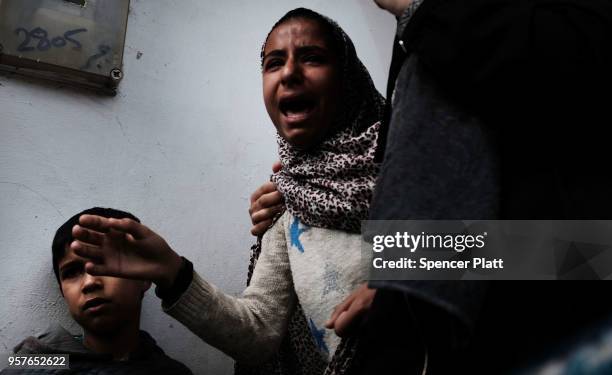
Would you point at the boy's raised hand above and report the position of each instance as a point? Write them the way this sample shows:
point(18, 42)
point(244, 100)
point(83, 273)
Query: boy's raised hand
point(124, 248)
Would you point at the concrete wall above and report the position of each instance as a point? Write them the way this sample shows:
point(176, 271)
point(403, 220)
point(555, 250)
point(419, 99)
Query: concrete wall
point(182, 146)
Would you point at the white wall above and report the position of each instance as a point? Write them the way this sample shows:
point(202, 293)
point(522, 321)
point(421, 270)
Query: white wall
point(182, 146)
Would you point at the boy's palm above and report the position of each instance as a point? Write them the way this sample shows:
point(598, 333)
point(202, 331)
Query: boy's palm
point(122, 248)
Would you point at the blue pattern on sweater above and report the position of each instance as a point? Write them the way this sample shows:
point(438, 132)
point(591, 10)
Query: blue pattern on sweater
point(330, 279)
point(296, 232)
point(318, 335)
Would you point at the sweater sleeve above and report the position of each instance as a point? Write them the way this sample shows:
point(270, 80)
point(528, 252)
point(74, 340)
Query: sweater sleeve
point(248, 328)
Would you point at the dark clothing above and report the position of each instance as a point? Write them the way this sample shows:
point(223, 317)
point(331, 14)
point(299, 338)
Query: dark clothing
point(537, 72)
point(147, 359)
point(394, 342)
point(534, 74)
point(443, 147)
point(522, 321)
point(441, 161)
point(179, 286)
point(383, 347)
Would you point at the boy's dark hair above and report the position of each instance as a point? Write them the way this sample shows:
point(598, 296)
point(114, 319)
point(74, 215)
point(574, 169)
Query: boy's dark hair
point(63, 236)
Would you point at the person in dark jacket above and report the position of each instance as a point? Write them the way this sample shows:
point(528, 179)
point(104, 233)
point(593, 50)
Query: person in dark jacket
point(107, 309)
point(532, 76)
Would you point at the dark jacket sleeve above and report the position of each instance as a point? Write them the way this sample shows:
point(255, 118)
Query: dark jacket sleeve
point(503, 54)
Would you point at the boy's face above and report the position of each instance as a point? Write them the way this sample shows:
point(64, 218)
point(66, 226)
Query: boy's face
point(100, 304)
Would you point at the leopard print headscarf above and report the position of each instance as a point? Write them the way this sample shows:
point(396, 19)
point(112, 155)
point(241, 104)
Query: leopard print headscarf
point(330, 186)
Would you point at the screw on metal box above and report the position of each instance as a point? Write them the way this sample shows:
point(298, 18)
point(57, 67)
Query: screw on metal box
point(116, 74)
point(68, 41)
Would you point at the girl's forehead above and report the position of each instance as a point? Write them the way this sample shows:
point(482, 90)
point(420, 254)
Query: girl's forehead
point(297, 31)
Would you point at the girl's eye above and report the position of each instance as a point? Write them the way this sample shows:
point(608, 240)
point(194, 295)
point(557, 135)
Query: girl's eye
point(274, 63)
point(316, 59)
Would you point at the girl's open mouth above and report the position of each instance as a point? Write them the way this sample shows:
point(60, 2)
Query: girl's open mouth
point(296, 108)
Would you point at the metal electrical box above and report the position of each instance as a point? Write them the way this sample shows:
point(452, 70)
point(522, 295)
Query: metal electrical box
point(77, 42)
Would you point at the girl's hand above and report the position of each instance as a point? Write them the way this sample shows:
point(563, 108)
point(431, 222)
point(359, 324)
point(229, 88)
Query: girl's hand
point(124, 248)
point(266, 202)
point(347, 315)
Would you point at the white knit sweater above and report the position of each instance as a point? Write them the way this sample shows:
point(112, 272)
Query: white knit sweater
point(319, 267)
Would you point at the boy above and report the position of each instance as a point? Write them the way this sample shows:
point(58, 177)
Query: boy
point(108, 310)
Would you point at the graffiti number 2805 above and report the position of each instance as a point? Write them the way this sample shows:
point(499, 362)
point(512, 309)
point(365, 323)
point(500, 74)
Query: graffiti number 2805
point(44, 43)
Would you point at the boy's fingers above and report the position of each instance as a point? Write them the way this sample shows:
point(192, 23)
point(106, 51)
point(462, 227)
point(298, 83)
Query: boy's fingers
point(88, 236)
point(86, 251)
point(94, 222)
point(98, 270)
point(129, 226)
point(130, 238)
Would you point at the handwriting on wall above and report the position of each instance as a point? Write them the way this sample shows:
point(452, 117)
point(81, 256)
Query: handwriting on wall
point(38, 39)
